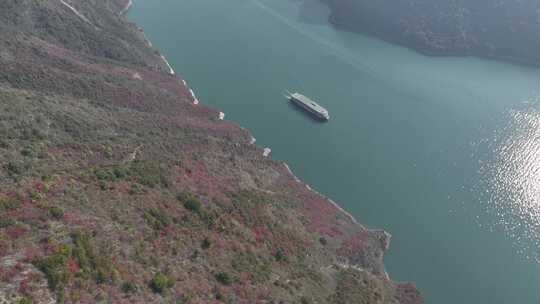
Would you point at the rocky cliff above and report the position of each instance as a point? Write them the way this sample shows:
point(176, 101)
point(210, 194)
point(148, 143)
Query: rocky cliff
point(506, 29)
point(117, 187)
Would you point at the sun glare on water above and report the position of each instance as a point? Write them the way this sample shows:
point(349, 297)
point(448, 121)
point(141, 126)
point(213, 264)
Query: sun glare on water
point(511, 179)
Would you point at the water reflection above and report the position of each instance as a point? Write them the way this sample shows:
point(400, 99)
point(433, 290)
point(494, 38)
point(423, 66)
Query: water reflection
point(511, 179)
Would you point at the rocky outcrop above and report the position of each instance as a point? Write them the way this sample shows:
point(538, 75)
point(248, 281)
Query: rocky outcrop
point(506, 30)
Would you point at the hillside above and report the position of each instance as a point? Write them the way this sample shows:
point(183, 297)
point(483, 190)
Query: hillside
point(115, 187)
point(506, 30)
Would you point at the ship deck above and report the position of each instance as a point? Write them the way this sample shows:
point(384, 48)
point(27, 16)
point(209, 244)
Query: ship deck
point(310, 103)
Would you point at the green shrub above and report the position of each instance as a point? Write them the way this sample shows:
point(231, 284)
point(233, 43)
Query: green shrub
point(10, 203)
point(280, 255)
point(104, 174)
point(157, 218)
point(323, 241)
point(149, 173)
point(305, 300)
point(56, 212)
point(91, 264)
point(195, 254)
point(209, 218)
point(120, 172)
point(160, 283)
point(224, 278)
point(28, 152)
point(82, 250)
point(6, 222)
point(25, 300)
point(258, 268)
point(219, 296)
point(190, 202)
point(36, 195)
point(114, 173)
point(128, 287)
point(47, 178)
point(136, 189)
point(103, 185)
point(108, 151)
point(206, 243)
point(54, 268)
point(15, 168)
point(102, 275)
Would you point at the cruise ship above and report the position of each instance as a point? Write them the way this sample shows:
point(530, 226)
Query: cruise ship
point(309, 105)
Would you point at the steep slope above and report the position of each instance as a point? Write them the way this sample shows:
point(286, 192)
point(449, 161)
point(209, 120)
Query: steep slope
point(116, 187)
point(505, 30)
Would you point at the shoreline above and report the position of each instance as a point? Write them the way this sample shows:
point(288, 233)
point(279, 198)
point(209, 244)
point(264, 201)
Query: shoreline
point(336, 205)
point(266, 153)
point(171, 71)
point(126, 8)
point(123, 12)
point(435, 53)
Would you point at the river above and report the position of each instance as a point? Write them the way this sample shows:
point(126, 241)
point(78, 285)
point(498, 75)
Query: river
point(444, 153)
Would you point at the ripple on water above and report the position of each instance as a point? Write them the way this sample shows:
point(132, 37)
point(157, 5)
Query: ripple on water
point(511, 179)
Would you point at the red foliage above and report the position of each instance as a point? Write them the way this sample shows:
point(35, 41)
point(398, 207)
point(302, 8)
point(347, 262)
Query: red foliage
point(48, 247)
point(157, 243)
point(260, 233)
point(18, 267)
point(15, 232)
point(73, 266)
point(263, 294)
point(30, 254)
point(24, 286)
point(169, 230)
point(407, 293)
point(354, 244)
point(72, 218)
point(39, 186)
point(28, 212)
point(3, 248)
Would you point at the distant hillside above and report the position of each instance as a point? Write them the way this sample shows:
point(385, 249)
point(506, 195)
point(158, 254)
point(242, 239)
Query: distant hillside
point(506, 30)
point(115, 187)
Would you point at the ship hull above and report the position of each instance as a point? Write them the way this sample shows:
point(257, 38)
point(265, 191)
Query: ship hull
point(309, 110)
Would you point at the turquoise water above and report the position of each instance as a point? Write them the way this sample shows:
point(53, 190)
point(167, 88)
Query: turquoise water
point(440, 152)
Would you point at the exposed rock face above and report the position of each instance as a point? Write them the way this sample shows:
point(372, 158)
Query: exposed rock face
point(506, 29)
point(115, 186)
